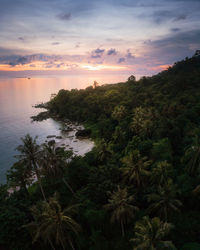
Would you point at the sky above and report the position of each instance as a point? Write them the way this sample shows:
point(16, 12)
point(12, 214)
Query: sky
point(140, 37)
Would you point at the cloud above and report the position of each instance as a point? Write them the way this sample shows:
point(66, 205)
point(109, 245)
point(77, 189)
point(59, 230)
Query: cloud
point(180, 18)
point(97, 53)
point(21, 39)
point(121, 59)
point(10, 52)
point(55, 43)
point(19, 61)
point(175, 29)
point(77, 45)
point(64, 16)
point(129, 55)
point(175, 47)
point(161, 16)
point(112, 52)
point(14, 60)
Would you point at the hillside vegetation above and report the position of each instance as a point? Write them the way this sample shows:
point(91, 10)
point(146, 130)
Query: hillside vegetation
point(139, 188)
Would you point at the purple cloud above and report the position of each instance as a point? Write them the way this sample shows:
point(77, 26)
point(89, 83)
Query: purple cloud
point(112, 52)
point(129, 55)
point(121, 59)
point(97, 53)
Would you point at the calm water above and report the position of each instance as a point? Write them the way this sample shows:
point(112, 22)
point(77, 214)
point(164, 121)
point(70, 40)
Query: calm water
point(17, 95)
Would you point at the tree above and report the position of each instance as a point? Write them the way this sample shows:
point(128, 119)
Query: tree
point(135, 169)
point(29, 155)
point(121, 206)
point(149, 234)
point(192, 156)
point(131, 78)
point(19, 176)
point(143, 121)
point(51, 223)
point(164, 201)
point(119, 113)
point(104, 150)
point(54, 162)
point(160, 173)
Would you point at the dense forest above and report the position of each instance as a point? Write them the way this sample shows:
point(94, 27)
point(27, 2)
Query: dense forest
point(139, 188)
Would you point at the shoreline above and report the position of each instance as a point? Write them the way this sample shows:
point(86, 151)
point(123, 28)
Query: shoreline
point(68, 140)
point(67, 132)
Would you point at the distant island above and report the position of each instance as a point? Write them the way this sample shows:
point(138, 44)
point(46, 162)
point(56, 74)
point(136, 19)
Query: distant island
point(138, 188)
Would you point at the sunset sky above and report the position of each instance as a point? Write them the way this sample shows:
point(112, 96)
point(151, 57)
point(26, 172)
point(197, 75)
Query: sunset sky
point(139, 37)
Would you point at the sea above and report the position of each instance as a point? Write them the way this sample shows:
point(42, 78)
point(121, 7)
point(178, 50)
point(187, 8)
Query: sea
point(17, 99)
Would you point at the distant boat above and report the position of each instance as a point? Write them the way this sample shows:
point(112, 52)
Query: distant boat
point(29, 78)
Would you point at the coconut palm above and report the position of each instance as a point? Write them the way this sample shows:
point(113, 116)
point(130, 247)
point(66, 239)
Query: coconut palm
point(121, 206)
point(142, 122)
point(54, 161)
point(29, 155)
point(19, 176)
point(164, 201)
point(149, 234)
point(160, 173)
point(104, 150)
point(192, 156)
point(135, 169)
point(52, 224)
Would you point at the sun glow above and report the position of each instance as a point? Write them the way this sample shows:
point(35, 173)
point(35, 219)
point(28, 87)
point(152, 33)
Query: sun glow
point(102, 67)
point(58, 66)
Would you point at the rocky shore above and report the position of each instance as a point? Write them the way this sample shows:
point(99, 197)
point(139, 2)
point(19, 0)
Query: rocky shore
point(71, 135)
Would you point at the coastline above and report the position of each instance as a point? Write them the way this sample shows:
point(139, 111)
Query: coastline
point(68, 140)
point(67, 132)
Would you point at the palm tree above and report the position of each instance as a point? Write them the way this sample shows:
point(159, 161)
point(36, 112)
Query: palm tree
point(54, 161)
point(164, 202)
point(149, 234)
point(29, 155)
point(192, 156)
point(19, 176)
point(52, 224)
point(142, 122)
point(135, 168)
point(121, 205)
point(104, 150)
point(160, 173)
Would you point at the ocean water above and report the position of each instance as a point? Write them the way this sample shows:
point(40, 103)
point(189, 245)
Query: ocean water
point(18, 95)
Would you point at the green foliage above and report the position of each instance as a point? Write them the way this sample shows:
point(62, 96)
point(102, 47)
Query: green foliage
point(146, 161)
point(149, 234)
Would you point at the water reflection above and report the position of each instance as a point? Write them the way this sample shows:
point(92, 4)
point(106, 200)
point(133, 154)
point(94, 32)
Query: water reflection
point(17, 95)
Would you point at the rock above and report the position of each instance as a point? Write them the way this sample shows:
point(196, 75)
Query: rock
point(67, 130)
point(58, 137)
point(51, 136)
point(51, 143)
point(84, 133)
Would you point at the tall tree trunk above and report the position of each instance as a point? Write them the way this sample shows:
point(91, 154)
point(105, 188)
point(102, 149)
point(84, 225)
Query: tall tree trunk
point(67, 184)
point(63, 246)
point(39, 180)
point(51, 244)
point(122, 227)
point(70, 242)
